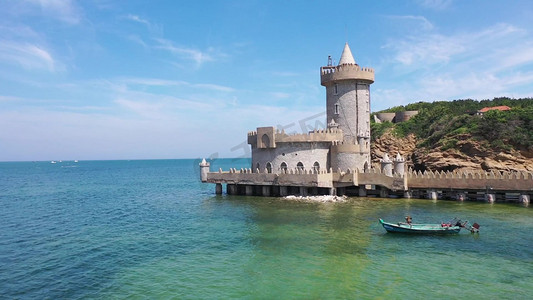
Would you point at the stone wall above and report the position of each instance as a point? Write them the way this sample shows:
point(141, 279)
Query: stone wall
point(346, 156)
point(291, 154)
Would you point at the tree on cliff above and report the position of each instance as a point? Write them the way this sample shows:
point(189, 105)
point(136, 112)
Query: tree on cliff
point(446, 125)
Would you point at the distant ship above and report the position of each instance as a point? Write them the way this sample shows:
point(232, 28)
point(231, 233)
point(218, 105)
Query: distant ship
point(53, 162)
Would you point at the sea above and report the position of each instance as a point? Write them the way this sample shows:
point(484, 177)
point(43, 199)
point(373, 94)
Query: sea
point(149, 229)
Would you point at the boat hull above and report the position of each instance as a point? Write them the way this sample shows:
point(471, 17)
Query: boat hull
point(419, 228)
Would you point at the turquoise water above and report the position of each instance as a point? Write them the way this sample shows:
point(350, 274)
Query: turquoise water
point(150, 229)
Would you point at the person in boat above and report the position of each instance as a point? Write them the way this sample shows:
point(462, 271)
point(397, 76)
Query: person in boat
point(408, 220)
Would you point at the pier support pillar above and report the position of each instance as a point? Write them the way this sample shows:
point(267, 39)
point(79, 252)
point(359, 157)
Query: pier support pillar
point(266, 190)
point(218, 188)
point(362, 191)
point(303, 191)
point(282, 191)
point(408, 194)
point(231, 189)
point(314, 191)
point(249, 190)
point(490, 198)
point(383, 193)
point(333, 191)
point(432, 195)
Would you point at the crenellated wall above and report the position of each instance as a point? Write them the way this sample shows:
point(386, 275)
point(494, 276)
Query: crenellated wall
point(344, 72)
point(477, 180)
point(256, 138)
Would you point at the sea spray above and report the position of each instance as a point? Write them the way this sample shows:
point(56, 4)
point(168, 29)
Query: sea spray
point(322, 199)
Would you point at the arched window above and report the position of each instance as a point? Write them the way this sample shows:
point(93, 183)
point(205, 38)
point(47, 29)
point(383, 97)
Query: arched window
point(265, 141)
point(336, 89)
point(300, 166)
point(366, 166)
point(336, 109)
point(283, 167)
point(269, 168)
point(316, 167)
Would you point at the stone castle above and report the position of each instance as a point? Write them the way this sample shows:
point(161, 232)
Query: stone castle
point(336, 160)
point(345, 144)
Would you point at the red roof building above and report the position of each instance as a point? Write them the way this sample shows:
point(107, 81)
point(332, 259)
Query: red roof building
point(500, 108)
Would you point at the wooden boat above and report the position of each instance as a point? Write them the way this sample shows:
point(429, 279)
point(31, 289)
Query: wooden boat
point(451, 227)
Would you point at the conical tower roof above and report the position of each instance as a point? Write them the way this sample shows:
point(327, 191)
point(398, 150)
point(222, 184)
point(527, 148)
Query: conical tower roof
point(346, 57)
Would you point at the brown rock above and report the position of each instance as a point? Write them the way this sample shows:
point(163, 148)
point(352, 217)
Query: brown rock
point(468, 154)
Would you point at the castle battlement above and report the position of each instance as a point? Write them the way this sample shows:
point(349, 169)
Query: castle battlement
point(269, 136)
point(345, 72)
point(474, 174)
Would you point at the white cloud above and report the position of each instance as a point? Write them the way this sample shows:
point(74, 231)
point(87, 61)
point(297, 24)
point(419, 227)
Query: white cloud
point(165, 82)
point(481, 64)
point(138, 40)
point(63, 10)
point(27, 55)
point(197, 56)
point(137, 19)
point(430, 48)
point(154, 29)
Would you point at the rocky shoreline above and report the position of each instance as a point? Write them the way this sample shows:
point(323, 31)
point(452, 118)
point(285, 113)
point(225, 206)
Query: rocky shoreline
point(467, 155)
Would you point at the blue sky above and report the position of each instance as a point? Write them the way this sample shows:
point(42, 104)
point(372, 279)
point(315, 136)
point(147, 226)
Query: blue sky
point(104, 79)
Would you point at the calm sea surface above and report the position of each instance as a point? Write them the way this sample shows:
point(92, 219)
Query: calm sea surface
point(150, 229)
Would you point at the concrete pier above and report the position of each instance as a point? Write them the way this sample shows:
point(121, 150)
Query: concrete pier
point(487, 187)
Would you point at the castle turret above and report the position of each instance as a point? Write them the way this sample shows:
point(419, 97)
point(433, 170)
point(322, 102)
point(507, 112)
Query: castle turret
point(204, 169)
point(399, 164)
point(386, 165)
point(348, 104)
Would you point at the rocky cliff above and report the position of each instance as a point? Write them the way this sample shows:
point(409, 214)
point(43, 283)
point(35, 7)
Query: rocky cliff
point(468, 154)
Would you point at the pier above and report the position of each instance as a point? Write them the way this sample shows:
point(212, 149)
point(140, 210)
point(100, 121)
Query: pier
point(462, 186)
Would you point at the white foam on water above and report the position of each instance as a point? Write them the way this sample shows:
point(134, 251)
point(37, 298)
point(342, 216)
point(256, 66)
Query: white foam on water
point(322, 199)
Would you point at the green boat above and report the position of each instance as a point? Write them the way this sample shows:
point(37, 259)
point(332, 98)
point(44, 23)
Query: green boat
point(451, 227)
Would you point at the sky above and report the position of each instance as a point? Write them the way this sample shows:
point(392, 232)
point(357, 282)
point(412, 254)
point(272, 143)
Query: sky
point(106, 79)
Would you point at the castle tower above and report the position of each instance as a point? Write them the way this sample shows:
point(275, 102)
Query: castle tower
point(348, 104)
